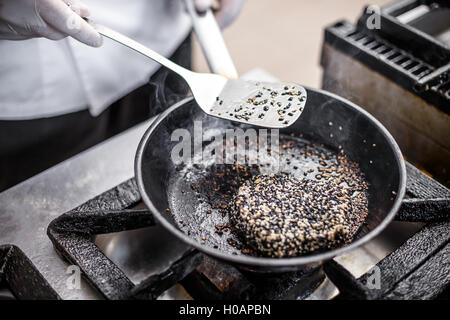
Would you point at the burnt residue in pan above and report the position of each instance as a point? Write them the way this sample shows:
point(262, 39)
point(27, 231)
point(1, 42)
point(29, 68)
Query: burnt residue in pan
point(200, 197)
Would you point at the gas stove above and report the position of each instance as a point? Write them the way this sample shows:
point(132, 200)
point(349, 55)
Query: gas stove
point(80, 231)
point(113, 240)
point(106, 236)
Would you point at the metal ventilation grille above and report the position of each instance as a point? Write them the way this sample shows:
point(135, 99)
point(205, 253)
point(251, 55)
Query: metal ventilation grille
point(405, 68)
point(410, 65)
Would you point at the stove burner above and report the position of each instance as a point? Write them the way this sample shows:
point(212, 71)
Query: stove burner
point(418, 269)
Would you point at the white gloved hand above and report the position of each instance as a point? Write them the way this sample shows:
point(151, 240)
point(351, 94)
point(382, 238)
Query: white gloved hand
point(52, 19)
point(228, 10)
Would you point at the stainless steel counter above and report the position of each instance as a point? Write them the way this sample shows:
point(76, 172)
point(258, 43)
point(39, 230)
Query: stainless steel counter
point(28, 208)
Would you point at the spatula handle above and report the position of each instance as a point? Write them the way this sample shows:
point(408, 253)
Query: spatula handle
point(138, 47)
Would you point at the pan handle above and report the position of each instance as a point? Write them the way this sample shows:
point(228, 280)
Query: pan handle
point(211, 41)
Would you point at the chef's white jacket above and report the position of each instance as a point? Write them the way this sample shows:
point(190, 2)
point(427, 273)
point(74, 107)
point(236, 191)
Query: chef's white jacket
point(44, 78)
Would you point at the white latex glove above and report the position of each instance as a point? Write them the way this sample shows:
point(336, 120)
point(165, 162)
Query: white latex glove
point(52, 19)
point(227, 10)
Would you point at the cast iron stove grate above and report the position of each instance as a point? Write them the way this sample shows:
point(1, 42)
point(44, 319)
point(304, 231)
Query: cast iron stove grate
point(18, 277)
point(419, 269)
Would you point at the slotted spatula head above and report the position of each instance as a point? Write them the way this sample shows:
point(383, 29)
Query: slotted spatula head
point(272, 105)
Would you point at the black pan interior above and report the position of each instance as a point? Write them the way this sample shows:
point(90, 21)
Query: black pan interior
point(327, 120)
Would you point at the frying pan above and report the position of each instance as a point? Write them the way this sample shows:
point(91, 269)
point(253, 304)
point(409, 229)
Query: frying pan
point(362, 137)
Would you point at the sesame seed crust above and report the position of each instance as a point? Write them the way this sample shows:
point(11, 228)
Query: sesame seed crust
point(282, 216)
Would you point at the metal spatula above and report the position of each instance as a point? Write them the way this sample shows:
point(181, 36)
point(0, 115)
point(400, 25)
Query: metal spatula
point(263, 104)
